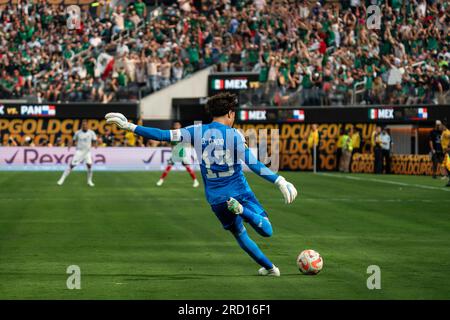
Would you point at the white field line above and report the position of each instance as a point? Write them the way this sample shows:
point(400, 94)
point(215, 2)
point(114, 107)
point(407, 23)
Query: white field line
point(300, 199)
point(149, 198)
point(403, 184)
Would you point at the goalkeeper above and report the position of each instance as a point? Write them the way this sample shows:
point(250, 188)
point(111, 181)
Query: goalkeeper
point(222, 150)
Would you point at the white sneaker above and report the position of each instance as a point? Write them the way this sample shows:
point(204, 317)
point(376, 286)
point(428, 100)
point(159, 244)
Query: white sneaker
point(160, 182)
point(274, 272)
point(60, 182)
point(234, 206)
point(90, 183)
point(196, 184)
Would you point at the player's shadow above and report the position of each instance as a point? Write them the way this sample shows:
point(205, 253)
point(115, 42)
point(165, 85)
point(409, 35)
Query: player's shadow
point(149, 277)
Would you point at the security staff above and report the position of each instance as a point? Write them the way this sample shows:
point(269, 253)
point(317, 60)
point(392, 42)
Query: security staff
point(386, 144)
point(313, 144)
point(347, 147)
point(437, 154)
point(376, 144)
point(339, 148)
point(447, 167)
point(445, 142)
point(356, 142)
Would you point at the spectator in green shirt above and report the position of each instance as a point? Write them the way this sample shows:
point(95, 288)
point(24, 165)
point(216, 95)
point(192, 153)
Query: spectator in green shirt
point(141, 8)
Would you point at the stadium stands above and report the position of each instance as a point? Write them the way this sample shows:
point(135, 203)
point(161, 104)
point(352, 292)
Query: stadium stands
point(306, 52)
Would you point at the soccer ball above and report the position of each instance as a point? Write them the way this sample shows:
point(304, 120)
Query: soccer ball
point(309, 262)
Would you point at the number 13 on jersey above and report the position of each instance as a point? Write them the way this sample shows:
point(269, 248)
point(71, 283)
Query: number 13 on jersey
point(220, 158)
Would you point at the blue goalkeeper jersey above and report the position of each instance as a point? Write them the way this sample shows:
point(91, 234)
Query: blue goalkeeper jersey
point(220, 150)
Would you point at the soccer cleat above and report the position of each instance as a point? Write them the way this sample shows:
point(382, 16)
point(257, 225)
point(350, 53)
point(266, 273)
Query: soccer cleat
point(160, 182)
point(91, 184)
point(274, 272)
point(196, 184)
point(234, 206)
point(60, 182)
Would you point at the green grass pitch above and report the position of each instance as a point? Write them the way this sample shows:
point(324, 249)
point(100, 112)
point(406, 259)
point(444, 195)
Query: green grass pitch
point(133, 240)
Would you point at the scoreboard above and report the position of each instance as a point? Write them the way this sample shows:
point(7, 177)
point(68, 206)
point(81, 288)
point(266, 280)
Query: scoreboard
point(67, 110)
point(350, 114)
point(272, 115)
point(405, 114)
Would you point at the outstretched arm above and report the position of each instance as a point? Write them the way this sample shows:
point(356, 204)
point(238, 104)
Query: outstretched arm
point(153, 133)
point(258, 167)
point(287, 189)
point(146, 132)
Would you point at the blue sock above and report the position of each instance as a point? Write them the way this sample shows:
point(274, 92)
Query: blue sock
point(252, 249)
point(259, 222)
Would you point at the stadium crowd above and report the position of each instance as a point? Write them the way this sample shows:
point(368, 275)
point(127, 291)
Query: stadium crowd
point(306, 52)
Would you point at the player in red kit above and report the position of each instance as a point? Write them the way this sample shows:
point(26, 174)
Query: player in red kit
point(178, 153)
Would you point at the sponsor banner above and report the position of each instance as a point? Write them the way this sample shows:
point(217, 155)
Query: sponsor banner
point(67, 110)
point(51, 131)
point(400, 164)
point(232, 81)
point(108, 158)
point(295, 154)
point(293, 145)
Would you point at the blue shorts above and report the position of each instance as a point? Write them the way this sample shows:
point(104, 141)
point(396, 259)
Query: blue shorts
point(231, 221)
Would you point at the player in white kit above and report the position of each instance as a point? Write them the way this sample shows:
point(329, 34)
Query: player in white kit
point(84, 140)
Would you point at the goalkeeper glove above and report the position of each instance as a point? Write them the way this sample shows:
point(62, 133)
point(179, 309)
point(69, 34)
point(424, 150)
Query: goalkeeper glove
point(287, 189)
point(119, 120)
